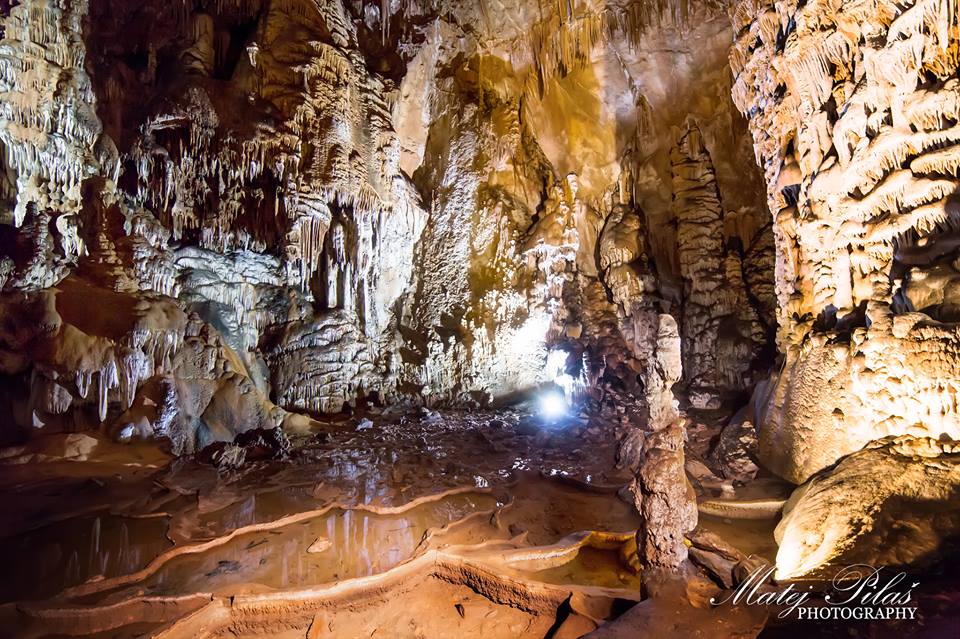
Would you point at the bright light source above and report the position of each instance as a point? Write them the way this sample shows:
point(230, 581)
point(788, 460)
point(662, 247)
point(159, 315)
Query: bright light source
point(553, 405)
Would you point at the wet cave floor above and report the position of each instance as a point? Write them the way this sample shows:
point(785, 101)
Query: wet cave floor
point(425, 524)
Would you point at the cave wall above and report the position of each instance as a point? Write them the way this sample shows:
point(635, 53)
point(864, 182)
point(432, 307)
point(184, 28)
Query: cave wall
point(854, 109)
point(335, 200)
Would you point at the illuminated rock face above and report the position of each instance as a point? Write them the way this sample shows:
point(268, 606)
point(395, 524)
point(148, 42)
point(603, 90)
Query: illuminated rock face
point(845, 516)
point(413, 201)
point(854, 112)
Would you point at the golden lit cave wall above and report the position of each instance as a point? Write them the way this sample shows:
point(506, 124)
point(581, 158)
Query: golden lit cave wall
point(854, 109)
point(314, 252)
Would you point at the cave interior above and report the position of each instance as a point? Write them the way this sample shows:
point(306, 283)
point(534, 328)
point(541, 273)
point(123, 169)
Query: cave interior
point(477, 318)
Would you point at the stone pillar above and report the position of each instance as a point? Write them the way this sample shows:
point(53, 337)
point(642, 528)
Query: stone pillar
point(722, 334)
point(661, 491)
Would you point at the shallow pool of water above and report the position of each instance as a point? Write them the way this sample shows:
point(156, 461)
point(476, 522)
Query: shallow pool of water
point(43, 562)
point(591, 567)
point(340, 544)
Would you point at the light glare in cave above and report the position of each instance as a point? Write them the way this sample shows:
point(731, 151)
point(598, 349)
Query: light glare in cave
point(553, 405)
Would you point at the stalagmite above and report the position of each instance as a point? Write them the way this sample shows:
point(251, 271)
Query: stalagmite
point(721, 333)
point(661, 492)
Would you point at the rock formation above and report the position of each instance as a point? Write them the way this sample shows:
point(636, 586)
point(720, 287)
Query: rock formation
point(853, 115)
point(391, 202)
point(351, 244)
point(722, 334)
point(845, 516)
point(662, 493)
point(172, 375)
point(853, 111)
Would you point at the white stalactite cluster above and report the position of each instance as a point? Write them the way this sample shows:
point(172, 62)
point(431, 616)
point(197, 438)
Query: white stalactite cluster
point(164, 372)
point(50, 129)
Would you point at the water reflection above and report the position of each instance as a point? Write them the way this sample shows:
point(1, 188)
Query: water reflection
point(43, 562)
point(360, 543)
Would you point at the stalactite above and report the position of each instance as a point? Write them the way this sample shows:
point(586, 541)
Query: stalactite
point(107, 380)
point(246, 196)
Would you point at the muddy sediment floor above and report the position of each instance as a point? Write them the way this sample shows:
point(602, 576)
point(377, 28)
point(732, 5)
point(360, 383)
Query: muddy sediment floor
point(492, 524)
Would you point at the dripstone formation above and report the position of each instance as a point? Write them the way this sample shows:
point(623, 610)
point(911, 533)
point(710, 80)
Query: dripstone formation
point(854, 112)
point(225, 217)
point(333, 201)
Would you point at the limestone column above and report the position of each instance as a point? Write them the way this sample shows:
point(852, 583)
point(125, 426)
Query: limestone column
point(661, 491)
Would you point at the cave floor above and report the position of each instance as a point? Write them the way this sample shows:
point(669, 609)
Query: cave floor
point(425, 524)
